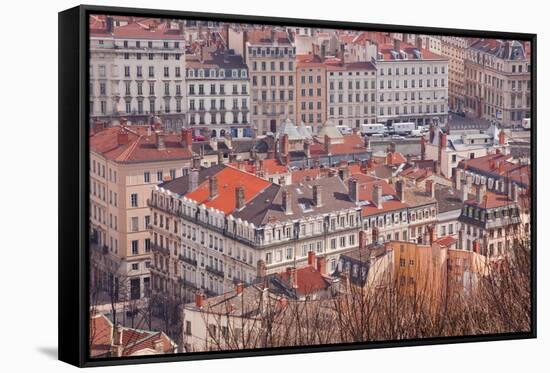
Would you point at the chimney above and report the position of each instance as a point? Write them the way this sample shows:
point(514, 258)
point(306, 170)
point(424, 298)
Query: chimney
point(458, 178)
point(432, 132)
point(501, 138)
point(232, 157)
point(464, 190)
point(430, 189)
point(292, 277)
point(287, 202)
point(481, 189)
point(501, 167)
point(160, 140)
point(362, 239)
point(377, 195)
point(196, 162)
point(186, 138)
point(239, 288)
point(327, 144)
point(307, 149)
point(199, 299)
point(220, 157)
point(400, 189)
point(443, 140)
point(343, 173)
point(239, 197)
point(122, 137)
point(433, 234)
point(311, 258)
point(213, 187)
point(353, 189)
point(322, 265)
point(515, 192)
point(317, 195)
point(158, 346)
point(397, 45)
point(193, 180)
point(422, 148)
point(261, 270)
point(285, 146)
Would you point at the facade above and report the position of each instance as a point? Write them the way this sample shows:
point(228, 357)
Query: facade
point(218, 93)
point(351, 93)
point(412, 84)
point(126, 162)
point(498, 81)
point(449, 149)
point(311, 90)
point(236, 226)
point(137, 70)
point(271, 56)
point(454, 48)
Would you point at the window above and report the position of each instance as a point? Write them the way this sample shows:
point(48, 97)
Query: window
point(135, 249)
point(135, 266)
point(134, 200)
point(147, 177)
point(135, 224)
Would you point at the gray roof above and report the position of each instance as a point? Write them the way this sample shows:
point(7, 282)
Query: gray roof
point(267, 205)
point(180, 185)
point(290, 129)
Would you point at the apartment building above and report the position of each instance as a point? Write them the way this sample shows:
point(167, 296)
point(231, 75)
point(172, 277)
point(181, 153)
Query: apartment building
point(311, 90)
point(226, 225)
point(351, 93)
point(270, 56)
point(126, 162)
point(454, 49)
point(218, 93)
point(137, 69)
point(412, 84)
point(498, 80)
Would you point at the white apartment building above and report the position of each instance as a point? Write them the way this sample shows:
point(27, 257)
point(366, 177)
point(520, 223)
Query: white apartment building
point(412, 84)
point(351, 93)
point(232, 226)
point(137, 70)
point(218, 94)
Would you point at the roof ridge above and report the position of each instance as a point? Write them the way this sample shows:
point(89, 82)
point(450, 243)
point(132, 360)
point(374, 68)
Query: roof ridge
point(126, 153)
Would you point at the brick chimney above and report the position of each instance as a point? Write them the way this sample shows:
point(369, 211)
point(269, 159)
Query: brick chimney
point(322, 265)
point(292, 277)
point(481, 189)
point(317, 195)
point(311, 258)
point(160, 140)
point(239, 197)
point(353, 189)
point(433, 234)
point(400, 190)
point(239, 287)
point(287, 202)
point(285, 146)
point(122, 137)
point(362, 239)
point(199, 299)
point(430, 189)
point(377, 195)
point(327, 144)
point(186, 138)
point(501, 138)
point(212, 187)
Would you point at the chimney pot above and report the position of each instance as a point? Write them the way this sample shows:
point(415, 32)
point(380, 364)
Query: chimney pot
point(199, 299)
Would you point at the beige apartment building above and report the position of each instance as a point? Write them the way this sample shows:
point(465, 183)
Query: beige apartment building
point(270, 56)
point(498, 80)
point(126, 162)
point(351, 93)
point(454, 48)
point(311, 90)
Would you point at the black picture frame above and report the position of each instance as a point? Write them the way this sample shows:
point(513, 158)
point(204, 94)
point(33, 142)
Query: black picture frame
point(74, 187)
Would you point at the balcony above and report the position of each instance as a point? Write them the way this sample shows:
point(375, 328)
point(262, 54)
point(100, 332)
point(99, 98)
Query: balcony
point(214, 271)
point(187, 284)
point(185, 259)
point(158, 248)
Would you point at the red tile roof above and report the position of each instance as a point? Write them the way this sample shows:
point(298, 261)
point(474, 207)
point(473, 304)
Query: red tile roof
point(445, 241)
point(386, 50)
point(264, 37)
point(365, 194)
point(137, 28)
point(139, 147)
point(499, 165)
point(309, 280)
point(493, 200)
point(229, 179)
point(351, 144)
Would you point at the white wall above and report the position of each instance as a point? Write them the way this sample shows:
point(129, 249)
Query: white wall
point(29, 302)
